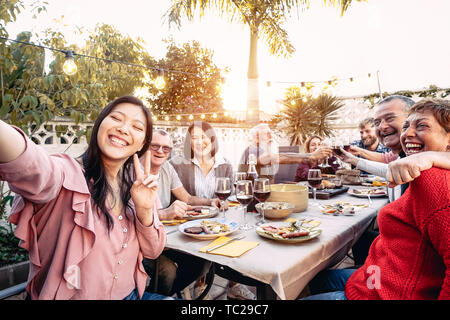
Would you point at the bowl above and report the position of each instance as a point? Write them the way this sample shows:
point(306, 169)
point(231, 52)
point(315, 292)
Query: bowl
point(294, 194)
point(272, 212)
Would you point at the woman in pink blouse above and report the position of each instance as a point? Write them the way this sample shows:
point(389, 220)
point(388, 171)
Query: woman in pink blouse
point(87, 224)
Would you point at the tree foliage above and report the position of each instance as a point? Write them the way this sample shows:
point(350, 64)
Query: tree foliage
point(30, 95)
point(301, 118)
point(196, 89)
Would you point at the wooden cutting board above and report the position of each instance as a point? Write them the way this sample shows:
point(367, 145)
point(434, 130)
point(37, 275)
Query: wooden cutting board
point(328, 193)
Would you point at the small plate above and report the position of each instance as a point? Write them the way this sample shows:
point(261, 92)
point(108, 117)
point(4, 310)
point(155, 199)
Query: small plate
point(379, 192)
point(233, 226)
point(314, 232)
point(213, 211)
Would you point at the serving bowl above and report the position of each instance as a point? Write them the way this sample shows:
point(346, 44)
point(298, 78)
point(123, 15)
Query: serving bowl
point(295, 194)
point(275, 210)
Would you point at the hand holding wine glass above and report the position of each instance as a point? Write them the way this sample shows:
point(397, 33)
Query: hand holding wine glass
point(244, 194)
point(261, 193)
point(223, 191)
point(314, 180)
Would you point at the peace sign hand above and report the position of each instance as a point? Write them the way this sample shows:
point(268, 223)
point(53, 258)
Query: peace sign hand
point(144, 190)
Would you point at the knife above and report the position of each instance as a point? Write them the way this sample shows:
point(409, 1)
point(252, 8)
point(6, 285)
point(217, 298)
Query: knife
point(225, 243)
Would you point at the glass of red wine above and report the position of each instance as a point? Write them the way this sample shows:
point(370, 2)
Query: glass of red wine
point(314, 180)
point(261, 192)
point(244, 194)
point(223, 191)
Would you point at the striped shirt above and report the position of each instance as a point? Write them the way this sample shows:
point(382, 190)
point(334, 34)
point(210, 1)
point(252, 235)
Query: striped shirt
point(205, 185)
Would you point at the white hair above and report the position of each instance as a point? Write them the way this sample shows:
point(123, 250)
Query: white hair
point(256, 129)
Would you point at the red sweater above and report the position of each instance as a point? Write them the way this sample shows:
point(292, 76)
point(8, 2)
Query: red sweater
point(410, 259)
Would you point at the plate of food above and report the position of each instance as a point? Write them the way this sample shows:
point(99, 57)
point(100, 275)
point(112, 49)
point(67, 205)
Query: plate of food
point(275, 210)
point(365, 192)
point(208, 228)
point(200, 212)
point(341, 208)
point(289, 232)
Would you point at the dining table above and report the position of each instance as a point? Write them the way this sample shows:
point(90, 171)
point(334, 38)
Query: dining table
point(281, 270)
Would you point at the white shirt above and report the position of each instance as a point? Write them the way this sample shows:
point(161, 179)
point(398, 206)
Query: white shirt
point(205, 185)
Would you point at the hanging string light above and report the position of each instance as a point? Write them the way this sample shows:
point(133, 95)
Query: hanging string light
point(160, 82)
point(69, 66)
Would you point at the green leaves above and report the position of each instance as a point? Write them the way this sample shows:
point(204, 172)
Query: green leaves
point(300, 118)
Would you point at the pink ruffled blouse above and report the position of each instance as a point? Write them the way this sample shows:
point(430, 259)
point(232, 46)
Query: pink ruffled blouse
point(72, 256)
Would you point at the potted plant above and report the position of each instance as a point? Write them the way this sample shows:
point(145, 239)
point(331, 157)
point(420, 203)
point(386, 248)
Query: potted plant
point(14, 263)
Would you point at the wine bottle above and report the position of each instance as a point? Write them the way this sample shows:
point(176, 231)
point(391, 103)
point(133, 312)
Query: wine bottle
point(252, 174)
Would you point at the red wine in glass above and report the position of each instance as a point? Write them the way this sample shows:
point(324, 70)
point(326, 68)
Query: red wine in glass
point(223, 195)
point(347, 147)
point(337, 150)
point(244, 199)
point(261, 196)
point(315, 182)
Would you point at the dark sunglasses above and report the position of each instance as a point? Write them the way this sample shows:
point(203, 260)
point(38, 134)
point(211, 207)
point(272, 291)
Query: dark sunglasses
point(156, 147)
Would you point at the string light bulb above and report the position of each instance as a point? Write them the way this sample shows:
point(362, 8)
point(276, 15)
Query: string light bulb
point(166, 118)
point(69, 66)
point(202, 116)
point(191, 117)
point(160, 82)
point(214, 115)
point(178, 117)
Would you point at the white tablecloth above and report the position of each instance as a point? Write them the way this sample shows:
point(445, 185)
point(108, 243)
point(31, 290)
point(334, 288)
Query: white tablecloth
point(288, 268)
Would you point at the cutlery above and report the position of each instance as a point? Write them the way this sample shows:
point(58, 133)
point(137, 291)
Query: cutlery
point(171, 231)
point(225, 243)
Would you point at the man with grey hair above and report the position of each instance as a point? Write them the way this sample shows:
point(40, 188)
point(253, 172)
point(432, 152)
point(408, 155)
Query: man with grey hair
point(390, 113)
point(267, 156)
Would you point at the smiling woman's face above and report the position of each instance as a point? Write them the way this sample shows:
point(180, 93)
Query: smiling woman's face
point(122, 132)
point(200, 143)
point(422, 132)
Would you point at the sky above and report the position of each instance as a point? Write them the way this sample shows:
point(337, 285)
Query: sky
point(405, 42)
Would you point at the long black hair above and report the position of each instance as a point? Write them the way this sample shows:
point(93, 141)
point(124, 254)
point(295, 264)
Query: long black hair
point(93, 165)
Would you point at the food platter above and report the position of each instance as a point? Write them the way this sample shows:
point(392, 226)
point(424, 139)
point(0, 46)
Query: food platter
point(218, 227)
point(341, 208)
point(201, 212)
point(365, 192)
point(272, 231)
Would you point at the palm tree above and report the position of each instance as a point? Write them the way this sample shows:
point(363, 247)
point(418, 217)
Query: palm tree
point(303, 115)
point(265, 19)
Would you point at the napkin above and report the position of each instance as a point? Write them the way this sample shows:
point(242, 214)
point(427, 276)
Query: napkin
point(233, 249)
point(172, 222)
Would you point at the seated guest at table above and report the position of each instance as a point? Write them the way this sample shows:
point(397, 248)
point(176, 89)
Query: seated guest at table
point(424, 140)
point(311, 145)
point(197, 170)
point(369, 141)
point(423, 130)
point(390, 113)
point(87, 222)
point(175, 269)
point(266, 152)
point(410, 259)
point(415, 229)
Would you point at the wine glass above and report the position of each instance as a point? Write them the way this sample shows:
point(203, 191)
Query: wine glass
point(223, 191)
point(261, 193)
point(238, 176)
point(314, 180)
point(244, 194)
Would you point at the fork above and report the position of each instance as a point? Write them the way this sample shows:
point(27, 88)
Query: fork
point(370, 200)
